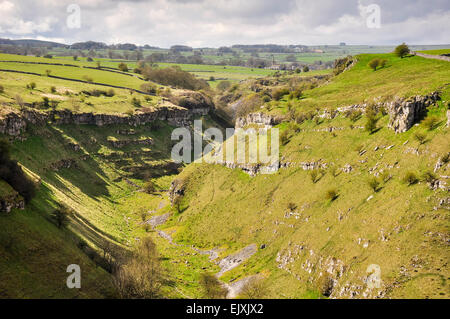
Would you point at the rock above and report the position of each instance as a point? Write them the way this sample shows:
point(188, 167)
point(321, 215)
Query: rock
point(347, 168)
point(234, 260)
point(257, 119)
point(448, 118)
point(405, 113)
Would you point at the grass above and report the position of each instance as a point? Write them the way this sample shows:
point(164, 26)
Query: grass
point(361, 84)
point(436, 52)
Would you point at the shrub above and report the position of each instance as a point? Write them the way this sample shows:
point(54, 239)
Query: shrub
point(431, 122)
point(279, 94)
point(420, 137)
point(212, 287)
point(255, 288)
point(148, 88)
point(410, 178)
point(135, 102)
point(48, 56)
point(291, 206)
point(354, 115)
point(223, 85)
point(402, 50)
point(174, 76)
point(445, 158)
point(331, 194)
point(31, 85)
point(140, 274)
point(371, 124)
point(149, 187)
point(374, 183)
point(110, 93)
point(374, 63)
point(89, 59)
point(285, 137)
point(61, 216)
point(123, 67)
point(314, 174)
point(429, 177)
point(2, 89)
point(305, 68)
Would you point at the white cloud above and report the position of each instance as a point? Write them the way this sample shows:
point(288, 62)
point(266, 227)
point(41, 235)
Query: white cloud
point(227, 22)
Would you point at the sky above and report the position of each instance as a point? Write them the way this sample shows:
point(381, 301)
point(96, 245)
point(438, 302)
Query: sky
point(215, 23)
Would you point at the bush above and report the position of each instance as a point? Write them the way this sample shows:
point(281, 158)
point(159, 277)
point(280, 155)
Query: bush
point(61, 216)
point(48, 56)
point(410, 178)
point(89, 59)
point(314, 174)
point(429, 177)
point(292, 206)
point(420, 137)
point(374, 183)
point(148, 88)
point(371, 124)
point(402, 50)
point(174, 76)
point(354, 115)
point(135, 102)
point(149, 187)
point(285, 137)
point(279, 94)
point(110, 93)
point(223, 85)
point(123, 67)
point(2, 89)
point(255, 288)
point(331, 194)
point(140, 274)
point(53, 89)
point(374, 63)
point(31, 85)
point(431, 122)
point(212, 287)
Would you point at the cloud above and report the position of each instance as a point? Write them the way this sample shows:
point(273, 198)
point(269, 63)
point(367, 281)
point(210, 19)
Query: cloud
point(226, 22)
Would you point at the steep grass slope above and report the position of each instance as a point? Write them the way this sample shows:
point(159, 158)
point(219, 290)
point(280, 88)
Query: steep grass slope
point(323, 232)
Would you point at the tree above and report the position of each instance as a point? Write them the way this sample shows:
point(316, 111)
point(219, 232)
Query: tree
point(123, 67)
point(402, 50)
point(140, 275)
point(61, 216)
point(374, 63)
point(212, 288)
point(223, 85)
point(149, 187)
point(305, 68)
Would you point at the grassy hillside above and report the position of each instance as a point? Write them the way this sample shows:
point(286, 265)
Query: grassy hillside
point(303, 219)
point(316, 232)
point(400, 77)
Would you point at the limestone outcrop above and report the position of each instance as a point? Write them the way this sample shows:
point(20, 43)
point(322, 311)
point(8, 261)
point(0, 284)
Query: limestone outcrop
point(259, 118)
point(405, 113)
point(14, 122)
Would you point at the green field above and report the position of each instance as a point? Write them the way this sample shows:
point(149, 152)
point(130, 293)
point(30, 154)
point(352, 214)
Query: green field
point(299, 229)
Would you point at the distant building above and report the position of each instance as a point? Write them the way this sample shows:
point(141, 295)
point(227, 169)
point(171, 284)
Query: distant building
point(342, 44)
